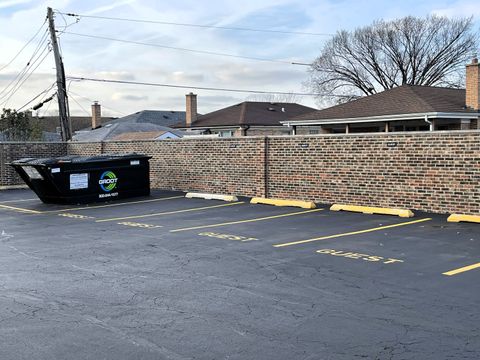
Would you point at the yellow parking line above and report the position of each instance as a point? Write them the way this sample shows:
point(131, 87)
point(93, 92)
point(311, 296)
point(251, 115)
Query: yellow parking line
point(170, 212)
point(19, 200)
point(246, 221)
point(115, 204)
point(462, 269)
point(351, 233)
point(21, 209)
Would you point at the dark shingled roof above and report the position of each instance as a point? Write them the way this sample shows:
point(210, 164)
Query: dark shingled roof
point(251, 113)
point(50, 123)
point(111, 131)
point(156, 117)
point(405, 99)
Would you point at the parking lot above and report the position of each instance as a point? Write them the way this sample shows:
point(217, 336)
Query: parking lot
point(166, 277)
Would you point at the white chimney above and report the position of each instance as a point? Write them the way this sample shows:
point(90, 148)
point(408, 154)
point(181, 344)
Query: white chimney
point(191, 109)
point(96, 115)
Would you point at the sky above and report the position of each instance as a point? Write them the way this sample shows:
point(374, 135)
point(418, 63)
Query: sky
point(107, 59)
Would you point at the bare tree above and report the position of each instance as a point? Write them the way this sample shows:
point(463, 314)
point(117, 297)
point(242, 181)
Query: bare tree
point(427, 51)
point(275, 98)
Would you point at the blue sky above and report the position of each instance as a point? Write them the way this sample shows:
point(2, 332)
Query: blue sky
point(20, 19)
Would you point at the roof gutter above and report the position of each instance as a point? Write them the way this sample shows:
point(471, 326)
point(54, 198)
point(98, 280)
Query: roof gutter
point(396, 117)
point(429, 122)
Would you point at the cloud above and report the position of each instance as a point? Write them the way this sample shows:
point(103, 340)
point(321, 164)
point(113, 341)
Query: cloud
point(114, 75)
point(129, 97)
point(5, 4)
point(180, 77)
point(120, 61)
point(460, 9)
point(109, 7)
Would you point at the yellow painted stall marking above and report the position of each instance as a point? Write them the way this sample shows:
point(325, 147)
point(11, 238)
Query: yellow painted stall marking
point(115, 204)
point(352, 233)
point(227, 236)
point(139, 225)
point(359, 256)
point(246, 221)
point(462, 269)
point(170, 212)
point(76, 216)
point(27, 211)
point(19, 200)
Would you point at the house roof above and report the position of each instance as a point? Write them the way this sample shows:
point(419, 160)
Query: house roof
point(112, 131)
point(157, 117)
point(251, 113)
point(405, 99)
point(147, 135)
point(50, 123)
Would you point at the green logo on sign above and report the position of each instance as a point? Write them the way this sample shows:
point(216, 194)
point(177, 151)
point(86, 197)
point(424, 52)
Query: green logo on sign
point(108, 181)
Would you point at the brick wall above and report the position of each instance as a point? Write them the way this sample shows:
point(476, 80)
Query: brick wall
point(231, 166)
point(430, 171)
point(14, 151)
point(438, 172)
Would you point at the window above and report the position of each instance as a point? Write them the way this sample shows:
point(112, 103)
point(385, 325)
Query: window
point(313, 132)
point(398, 128)
point(227, 133)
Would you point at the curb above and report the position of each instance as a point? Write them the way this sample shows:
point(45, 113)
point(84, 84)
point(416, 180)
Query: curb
point(284, 202)
point(465, 218)
point(373, 210)
point(192, 195)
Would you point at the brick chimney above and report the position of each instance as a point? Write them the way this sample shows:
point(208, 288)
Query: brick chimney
point(191, 109)
point(96, 115)
point(472, 88)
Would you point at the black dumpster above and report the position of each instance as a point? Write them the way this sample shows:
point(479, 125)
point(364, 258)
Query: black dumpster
point(82, 180)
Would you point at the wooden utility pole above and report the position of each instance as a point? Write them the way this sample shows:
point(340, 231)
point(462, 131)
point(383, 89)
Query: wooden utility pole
point(63, 111)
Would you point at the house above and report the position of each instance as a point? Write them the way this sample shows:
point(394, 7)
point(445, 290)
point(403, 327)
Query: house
point(51, 124)
point(404, 108)
point(165, 118)
point(128, 131)
point(142, 125)
point(246, 118)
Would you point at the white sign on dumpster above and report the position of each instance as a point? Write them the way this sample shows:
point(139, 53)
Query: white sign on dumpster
point(78, 181)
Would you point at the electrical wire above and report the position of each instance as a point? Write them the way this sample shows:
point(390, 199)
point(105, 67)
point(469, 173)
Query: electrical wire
point(24, 70)
point(67, 25)
point(44, 92)
point(24, 46)
point(21, 76)
point(46, 110)
point(76, 102)
point(197, 25)
point(85, 98)
point(25, 79)
point(198, 87)
point(185, 49)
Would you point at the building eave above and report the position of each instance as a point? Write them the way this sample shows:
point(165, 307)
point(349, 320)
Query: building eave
point(383, 118)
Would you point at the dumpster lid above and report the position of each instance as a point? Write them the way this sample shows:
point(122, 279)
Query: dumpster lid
point(79, 159)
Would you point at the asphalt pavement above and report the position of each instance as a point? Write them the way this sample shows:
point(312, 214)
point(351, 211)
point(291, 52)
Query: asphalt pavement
point(166, 277)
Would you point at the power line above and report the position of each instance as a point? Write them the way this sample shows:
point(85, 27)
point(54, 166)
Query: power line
point(85, 98)
point(198, 87)
point(22, 73)
point(197, 25)
point(185, 49)
point(46, 110)
point(21, 76)
point(24, 46)
point(80, 105)
point(44, 92)
point(20, 84)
